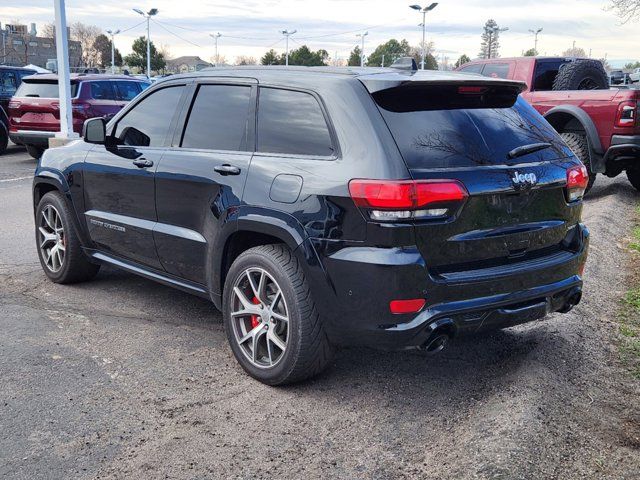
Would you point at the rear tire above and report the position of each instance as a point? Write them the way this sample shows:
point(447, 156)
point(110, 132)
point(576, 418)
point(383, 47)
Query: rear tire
point(582, 75)
point(579, 144)
point(35, 152)
point(633, 174)
point(278, 352)
point(4, 139)
point(59, 249)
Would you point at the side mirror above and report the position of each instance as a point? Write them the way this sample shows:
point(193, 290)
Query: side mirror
point(94, 131)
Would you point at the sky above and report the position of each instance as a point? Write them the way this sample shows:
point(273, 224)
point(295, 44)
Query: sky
point(251, 27)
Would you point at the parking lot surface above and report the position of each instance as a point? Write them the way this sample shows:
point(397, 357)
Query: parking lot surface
point(124, 378)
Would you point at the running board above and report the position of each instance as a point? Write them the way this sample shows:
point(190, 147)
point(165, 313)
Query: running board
point(190, 287)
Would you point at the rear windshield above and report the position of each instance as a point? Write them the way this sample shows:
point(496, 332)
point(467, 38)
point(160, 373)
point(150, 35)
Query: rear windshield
point(42, 89)
point(439, 127)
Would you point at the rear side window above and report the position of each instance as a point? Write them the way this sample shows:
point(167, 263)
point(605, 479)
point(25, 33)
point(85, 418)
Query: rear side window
point(472, 68)
point(8, 83)
point(545, 73)
point(218, 119)
point(127, 90)
point(148, 122)
point(102, 90)
point(42, 89)
point(496, 70)
point(450, 126)
point(292, 122)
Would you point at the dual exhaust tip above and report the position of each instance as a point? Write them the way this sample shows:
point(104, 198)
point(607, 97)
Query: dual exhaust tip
point(442, 330)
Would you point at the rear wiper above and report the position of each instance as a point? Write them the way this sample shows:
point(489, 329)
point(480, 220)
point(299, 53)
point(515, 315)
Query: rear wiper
point(527, 149)
point(32, 95)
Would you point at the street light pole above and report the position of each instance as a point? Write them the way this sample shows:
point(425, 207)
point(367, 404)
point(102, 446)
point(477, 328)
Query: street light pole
point(362, 35)
point(491, 32)
point(535, 35)
point(113, 50)
point(148, 15)
point(287, 34)
point(64, 81)
point(424, 28)
point(215, 38)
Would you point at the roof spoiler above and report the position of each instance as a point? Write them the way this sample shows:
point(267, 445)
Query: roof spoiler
point(405, 63)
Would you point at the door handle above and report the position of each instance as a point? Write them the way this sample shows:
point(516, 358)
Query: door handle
point(143, 163)
point(227, 169)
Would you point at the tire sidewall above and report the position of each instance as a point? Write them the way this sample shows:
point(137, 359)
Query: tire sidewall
point(54, 200)
point(271, 375)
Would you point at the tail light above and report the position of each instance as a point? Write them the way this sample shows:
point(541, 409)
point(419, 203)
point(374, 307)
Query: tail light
point(397, 200)
point(577, 181)
point(14, 104)
point(627, 114)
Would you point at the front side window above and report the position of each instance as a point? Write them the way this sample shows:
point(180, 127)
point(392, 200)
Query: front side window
point(102, 91)
point(218, 119)
point(147, 123)
point(292, 122)
point(127, 90)
point(496, 70)
point(477, 68)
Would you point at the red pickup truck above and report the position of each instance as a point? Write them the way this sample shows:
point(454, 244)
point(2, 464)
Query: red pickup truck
point(599, 123)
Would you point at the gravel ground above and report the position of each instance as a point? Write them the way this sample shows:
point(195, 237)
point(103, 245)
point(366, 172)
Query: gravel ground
point(124, 378)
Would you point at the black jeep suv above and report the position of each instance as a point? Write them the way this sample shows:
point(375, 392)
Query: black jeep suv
point(325, 207)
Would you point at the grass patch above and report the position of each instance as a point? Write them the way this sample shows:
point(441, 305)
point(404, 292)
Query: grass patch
point(629, 314)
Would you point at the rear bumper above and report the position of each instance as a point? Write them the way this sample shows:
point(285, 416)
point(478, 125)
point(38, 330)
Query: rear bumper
point(623, 147)
point(363, 280)
point(38, 138)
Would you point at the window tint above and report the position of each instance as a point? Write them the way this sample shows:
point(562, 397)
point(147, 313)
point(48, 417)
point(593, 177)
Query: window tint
point(42, 89)
point(8, 83)
point(472, 68)
point(292, 122)
point(218, 118)
point(147, 124)
point(127, 90)
point(545, 74)
point(496, 70)
point(469, 133)
point(102, 91)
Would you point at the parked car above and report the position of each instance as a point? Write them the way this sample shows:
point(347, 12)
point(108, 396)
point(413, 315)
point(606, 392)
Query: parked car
point(345, 207)
point(34, 111)
point(599, 124)
point(618, 77)
point(10, 79)
point(635, 75)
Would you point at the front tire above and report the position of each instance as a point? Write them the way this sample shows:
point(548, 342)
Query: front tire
point(59, 249)
point(35, 152)
point(579, 144)
point(633, 174)
point(270, 318)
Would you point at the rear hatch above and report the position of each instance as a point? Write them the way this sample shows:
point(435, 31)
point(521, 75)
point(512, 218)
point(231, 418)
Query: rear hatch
point(35, 106)
point(510, 160)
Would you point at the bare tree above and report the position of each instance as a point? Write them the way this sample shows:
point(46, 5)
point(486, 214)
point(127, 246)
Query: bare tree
point(575, 52)
point(246, 60)
point(165, 51)
point(86, 35)
point(627, 10)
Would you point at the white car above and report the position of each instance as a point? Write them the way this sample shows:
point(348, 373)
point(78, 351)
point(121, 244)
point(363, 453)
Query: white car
point(635, 75)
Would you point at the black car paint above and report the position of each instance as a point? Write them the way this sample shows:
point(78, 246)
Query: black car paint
point(181, 219)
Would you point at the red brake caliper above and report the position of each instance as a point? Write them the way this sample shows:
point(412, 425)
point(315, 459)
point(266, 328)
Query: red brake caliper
point(254, 318)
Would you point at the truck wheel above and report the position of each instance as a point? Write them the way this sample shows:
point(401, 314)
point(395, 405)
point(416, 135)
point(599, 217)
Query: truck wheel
point(35, 152)
point(4, 139)
point(633, 174)
point(579, 144)
point(270, 317)
point(581, 75)
point(59, 249)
